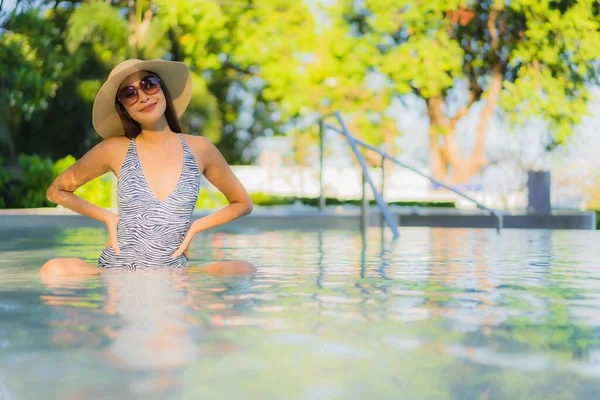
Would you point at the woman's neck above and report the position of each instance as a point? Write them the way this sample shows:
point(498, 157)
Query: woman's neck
point(156, 134)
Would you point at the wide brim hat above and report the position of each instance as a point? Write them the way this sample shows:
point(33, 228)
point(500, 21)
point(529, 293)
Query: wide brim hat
point(175, 75)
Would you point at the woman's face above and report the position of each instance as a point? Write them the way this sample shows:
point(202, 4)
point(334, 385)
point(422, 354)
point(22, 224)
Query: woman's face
point(143, 100)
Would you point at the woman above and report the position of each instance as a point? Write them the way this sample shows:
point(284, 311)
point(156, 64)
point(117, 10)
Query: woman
point(137, 113)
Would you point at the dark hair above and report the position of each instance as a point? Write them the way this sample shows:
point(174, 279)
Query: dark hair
point(133, 128)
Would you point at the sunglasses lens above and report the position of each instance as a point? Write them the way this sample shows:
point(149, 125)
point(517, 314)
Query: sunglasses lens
point(150, 84)
point(128, 95)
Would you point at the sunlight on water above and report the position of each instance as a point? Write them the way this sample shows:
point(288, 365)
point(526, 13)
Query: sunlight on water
point(440, 314)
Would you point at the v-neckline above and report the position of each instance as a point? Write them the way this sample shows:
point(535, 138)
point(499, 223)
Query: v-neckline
point(137, 157)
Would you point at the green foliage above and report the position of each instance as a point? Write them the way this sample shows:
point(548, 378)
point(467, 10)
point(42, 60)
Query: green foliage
point(98, 191)
point(546, 56)
point(555, 61)
point(24, 71)
point(423, 57)
point(212, 200)
point(271, 65)
point(209, 200)
point(24, 86)
point(262, 199)
point(35, 64)
point(198, 27)
point(5, 178)
point(270, 37)
point(336, 73)
point(100, 24)
point(61, 165)
point(203, 114)
point(30, 189)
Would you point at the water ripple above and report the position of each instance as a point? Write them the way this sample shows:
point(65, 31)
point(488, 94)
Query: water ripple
point(442, 313)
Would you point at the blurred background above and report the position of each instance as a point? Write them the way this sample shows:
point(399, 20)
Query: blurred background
point(478, 94)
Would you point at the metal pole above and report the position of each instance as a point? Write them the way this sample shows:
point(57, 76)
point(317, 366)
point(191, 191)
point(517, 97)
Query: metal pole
point(321, 167)
point(500, 217)
point(352, 141)
point(364, 204)
point(382, 186)
point(400, 163)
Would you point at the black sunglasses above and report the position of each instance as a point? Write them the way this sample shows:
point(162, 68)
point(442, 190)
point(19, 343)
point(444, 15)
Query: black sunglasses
point(128, 95)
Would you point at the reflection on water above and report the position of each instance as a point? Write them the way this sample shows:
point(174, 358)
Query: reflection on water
point(439, 314)
point(156, 328)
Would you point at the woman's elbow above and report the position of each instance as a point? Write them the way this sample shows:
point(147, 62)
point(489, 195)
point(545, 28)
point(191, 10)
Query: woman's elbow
point(249, 206)
point(52, 194)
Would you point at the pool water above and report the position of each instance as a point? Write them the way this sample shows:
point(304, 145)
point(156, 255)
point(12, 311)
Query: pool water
point(438, 314)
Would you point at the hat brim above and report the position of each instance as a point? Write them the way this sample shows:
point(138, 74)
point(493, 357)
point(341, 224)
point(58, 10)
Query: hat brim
point(176, 76)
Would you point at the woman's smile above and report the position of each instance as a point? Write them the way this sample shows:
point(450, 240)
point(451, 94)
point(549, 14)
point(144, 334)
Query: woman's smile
point(149, 107)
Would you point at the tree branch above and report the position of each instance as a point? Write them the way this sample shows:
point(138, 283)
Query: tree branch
point(437, 120)
point(237, 68)
point(142, 29)
point(463, 111)
point(175, 47)
point(494, 90)
point(132, 37)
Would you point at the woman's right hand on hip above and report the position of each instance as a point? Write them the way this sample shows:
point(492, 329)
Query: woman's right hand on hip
point(111, 226)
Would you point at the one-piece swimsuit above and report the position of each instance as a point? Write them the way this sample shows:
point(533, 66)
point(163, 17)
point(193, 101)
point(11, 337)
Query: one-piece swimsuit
point(151, 230)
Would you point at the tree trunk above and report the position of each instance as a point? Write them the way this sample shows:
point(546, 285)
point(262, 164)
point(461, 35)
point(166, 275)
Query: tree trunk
point(132, 40)
point(142, 28)
point(175, 47)
point(437, 123)
point(447, 162)
point(464, 171)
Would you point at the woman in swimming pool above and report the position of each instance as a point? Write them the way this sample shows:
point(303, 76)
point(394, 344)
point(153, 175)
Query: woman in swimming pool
point(137, 113)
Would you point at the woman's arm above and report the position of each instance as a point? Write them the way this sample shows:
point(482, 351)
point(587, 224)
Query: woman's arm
point(218, 172)
point(94, 163)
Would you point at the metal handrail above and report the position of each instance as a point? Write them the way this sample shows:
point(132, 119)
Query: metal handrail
point(354, 141)
point(365, 175)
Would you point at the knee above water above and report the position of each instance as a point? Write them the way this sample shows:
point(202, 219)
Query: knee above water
point(54, 266)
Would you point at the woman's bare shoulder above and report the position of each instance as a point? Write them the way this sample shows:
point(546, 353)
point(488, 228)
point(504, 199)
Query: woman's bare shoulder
point(197, 141)
point(201, 147)
point(115, 150)
point(115, 142)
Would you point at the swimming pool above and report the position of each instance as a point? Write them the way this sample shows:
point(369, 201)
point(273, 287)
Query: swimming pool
point(330, 314)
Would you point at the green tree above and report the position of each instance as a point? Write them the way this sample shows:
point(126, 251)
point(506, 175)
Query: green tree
point(236, 64)
point(97, 36)
point(249, 52)
point(524, 58)
point(310, 66)
point(243, 58)
point(33, 66)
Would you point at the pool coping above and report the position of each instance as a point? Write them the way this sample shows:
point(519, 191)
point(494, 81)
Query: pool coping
point(334, 217)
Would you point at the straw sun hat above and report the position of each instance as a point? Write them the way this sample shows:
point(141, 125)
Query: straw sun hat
point(176, 76)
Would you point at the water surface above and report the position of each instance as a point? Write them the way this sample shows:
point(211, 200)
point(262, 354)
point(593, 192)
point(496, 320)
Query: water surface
point(439, 314)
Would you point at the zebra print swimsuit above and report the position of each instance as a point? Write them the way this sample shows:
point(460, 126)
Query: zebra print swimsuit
point(151, 230)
